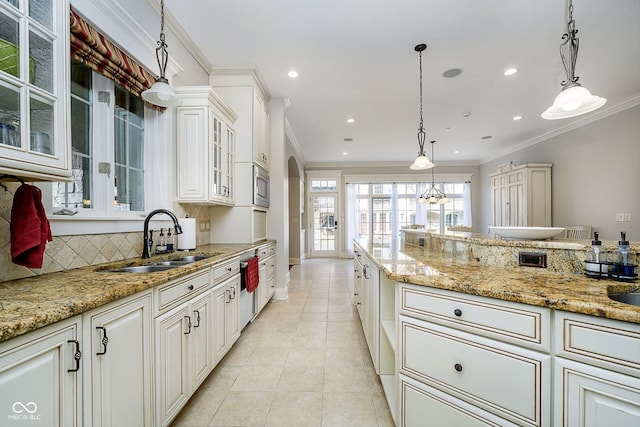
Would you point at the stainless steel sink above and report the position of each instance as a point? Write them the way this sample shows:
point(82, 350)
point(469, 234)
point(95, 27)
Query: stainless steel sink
point(142, 269)
point(632, 298)
point(190, 258)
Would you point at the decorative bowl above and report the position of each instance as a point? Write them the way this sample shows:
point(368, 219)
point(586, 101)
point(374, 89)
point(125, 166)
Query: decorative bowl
point(526, 233)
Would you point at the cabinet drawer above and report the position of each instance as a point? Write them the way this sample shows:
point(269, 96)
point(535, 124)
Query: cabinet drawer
point(475, 369)
point(519, 324)
point(271, 266)
point(226, 269)
point(263, 252)
point(610, 344)
point(179, 290)
point(419, 402)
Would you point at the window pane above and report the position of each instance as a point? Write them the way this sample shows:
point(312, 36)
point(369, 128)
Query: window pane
point(40, 10)
point(41, 111)
point(323, 185)
point(79, 192)
point(129, 151)
point(10, 115)
point(10, 38)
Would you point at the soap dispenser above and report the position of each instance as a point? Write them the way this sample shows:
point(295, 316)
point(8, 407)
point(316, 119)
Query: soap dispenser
point(161, 247)
point(623, 267)
point(596, 259)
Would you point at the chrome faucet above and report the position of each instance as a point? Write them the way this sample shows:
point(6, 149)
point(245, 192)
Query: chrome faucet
point(146, 250)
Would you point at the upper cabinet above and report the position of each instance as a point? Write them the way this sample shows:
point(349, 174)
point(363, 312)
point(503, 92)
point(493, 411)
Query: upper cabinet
point(521, 195)
point(205, 148)
point(34, 95)
point(242, 91)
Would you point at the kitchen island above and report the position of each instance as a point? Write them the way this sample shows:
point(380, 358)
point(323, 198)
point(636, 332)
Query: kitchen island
point(462, 336)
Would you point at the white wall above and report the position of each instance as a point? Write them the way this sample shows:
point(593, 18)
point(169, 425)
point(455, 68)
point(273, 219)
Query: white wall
point(595, 174)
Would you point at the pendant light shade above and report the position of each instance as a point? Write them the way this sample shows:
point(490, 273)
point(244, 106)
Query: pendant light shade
point(422, 162)
point(574, 99)
point(161, 93)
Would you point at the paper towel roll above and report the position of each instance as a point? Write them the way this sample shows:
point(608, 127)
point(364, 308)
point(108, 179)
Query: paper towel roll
point(187, 239)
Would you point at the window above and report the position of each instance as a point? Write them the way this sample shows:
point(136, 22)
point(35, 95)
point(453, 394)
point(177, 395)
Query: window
point(323, 185)
point(107, 138)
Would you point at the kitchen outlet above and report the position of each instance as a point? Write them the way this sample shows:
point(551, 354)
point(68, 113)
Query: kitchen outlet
point(619, 217)
point(205, 225)
point(627, 217)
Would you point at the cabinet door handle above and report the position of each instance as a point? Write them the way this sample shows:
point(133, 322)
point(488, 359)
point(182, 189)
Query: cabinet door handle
point(234, 293)
point(364, 271)
point(457, 312)
point(188, 325)
point(458, 367)
point(190, 287)
point(197, 325)
point(105, 340)
point(76, 356)
point(227, 294)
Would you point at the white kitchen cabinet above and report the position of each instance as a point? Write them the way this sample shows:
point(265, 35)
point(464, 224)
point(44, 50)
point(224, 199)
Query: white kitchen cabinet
point(34, 90)
point(243, 91)
point(370, 312)
point(41, 376)
point(183, 341)
point(267, 274)
point(521, 196)
point(444, 352)
point(597, 372)
point(226, 317)
point(357, 281)
point(205, 148)
point(119, 362)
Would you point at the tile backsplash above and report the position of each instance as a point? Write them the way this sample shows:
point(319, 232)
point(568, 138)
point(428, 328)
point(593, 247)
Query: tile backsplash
point(68, 252)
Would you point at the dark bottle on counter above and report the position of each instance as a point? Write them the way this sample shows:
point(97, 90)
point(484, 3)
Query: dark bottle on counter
point(169, 241)
point(623, 266)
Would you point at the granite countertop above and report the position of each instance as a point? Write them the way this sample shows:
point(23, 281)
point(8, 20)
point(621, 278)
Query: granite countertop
point(34, 302)
point(403, 262)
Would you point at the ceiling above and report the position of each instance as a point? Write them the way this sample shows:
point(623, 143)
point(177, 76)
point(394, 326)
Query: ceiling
point(356, 59)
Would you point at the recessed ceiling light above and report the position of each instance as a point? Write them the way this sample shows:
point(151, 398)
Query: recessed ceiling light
point(452, 72)
point(348, 139)
point(487, 137)
point(447, 129)
point(510, 71)
point(466, 114)
point(293, 74)
point(456, 152)
point(517, 118)
point(344, 153)
point(351, 120)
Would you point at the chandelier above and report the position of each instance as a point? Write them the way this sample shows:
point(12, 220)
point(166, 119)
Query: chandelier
point(433, 195)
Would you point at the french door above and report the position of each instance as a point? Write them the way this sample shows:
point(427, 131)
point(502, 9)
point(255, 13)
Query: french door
point(324, 236)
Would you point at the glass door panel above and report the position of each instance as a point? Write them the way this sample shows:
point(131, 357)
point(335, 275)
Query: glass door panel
point(40, 62)
point(41, 12)
point(324, 226)
point(9, 115)
point(381, 220)
point(42, 120)
point(9, 40)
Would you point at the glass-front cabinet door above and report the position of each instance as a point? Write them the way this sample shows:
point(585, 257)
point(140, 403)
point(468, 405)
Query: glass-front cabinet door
point(34, 64)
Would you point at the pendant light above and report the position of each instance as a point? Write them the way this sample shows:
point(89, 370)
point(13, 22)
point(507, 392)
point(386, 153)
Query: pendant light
point(161, 93)
point(574, 99)
point(433, 195)
point(422, 162)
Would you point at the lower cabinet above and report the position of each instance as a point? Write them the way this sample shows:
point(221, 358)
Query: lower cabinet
point(597, 372)
point(184, 353)
point(267, 274)
point(40, 377)
point(118, 364)
point(226, 322)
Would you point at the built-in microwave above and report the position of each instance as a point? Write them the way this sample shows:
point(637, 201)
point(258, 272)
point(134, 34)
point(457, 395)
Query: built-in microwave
point(260, 187)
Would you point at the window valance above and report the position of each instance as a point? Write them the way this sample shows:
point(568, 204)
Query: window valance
point(96, 51)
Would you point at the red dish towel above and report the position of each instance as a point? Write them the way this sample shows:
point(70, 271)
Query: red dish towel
point(29, 227)
point(250, 274)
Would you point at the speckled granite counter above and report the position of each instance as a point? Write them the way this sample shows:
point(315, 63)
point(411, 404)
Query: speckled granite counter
point(34, 302)
point(456, 270)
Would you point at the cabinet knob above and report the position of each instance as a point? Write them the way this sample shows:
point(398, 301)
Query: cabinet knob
point(457, 312)
point(458, 367)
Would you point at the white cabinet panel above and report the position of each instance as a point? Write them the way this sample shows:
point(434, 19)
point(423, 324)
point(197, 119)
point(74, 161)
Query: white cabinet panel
point(44, 358)
point(118, 355)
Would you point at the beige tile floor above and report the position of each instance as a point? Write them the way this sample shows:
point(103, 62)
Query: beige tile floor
point(301, 362)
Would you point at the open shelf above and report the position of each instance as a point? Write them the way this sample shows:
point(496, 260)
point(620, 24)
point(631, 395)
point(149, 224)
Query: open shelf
point(389, 329)
point(389, 387)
